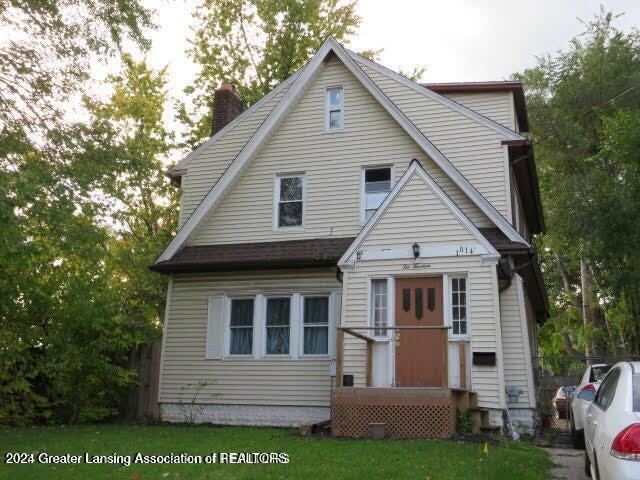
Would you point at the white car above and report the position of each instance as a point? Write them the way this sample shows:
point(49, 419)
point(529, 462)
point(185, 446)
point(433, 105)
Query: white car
point(581, 398)
point(612, 427)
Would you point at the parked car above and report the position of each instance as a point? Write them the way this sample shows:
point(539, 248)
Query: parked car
point(581, 398)
point(560, 403)
point(612, 427)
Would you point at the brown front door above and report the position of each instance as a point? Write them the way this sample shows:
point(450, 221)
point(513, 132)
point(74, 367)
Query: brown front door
point(420, 356)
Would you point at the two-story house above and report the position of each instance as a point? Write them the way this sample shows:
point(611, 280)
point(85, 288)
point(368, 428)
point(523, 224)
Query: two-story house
point(356, 245)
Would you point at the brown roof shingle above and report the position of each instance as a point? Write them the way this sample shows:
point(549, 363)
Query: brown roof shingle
point(321, 252)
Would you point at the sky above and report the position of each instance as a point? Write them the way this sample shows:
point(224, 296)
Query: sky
point(456, 40)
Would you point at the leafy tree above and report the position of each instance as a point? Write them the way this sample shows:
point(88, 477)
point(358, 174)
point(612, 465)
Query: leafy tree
point(124, 148)
point(256, 44)
point(63, 337)
point(582, 103)
point(49, 44)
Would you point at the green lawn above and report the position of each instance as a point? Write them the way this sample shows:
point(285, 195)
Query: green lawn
point(308, 458)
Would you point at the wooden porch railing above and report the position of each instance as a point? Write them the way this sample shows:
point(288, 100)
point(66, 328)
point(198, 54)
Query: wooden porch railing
point(354, 332)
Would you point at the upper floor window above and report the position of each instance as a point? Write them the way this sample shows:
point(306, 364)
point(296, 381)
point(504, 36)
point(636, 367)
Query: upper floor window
point(459, 305)
point(334, 109)
point(289, 201)
point(376, 185)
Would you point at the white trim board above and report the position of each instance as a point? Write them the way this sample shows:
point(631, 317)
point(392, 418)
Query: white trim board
point(463, 249)
point(348, 258)
point(276, 116)
point(467, 112)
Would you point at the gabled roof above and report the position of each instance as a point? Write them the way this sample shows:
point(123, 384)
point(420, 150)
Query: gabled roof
point(493, 86)
point(295, 91)
point(180, 168)
point(416, 169)
point(434, 95)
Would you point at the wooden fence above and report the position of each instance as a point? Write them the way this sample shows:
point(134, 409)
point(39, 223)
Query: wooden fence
point(141, 403)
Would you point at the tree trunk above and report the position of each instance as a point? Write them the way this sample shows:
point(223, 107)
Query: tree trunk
point(566, 283)
point(588, 317)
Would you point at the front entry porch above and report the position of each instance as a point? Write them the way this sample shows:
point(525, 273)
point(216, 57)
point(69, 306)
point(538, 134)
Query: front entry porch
point(428, 373)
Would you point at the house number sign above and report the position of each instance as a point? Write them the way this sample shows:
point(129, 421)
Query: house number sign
point(464, 250)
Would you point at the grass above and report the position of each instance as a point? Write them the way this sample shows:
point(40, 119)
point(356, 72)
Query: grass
point(325, 458)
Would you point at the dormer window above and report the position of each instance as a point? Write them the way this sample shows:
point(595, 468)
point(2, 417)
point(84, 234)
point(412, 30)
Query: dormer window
point(334, 117)
point(289, 205)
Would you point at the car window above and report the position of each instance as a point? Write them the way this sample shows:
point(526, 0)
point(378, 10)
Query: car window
point(607, 390)
point(587, 395)
point(598, 373)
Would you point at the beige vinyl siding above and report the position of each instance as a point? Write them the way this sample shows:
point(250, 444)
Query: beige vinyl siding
point(514, 344)
point(498, 106)
point(483, 317)
point(416, 214)
point(430, 224)
point(474, 149)
point(302, 382)
point(205, 169)
point(332, 163)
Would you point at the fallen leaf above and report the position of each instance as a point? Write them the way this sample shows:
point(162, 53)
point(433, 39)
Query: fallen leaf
point(165, 474)
point(135, 476)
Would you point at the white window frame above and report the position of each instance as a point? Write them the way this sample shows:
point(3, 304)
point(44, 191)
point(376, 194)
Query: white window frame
point(330, 322)
point(292, 320)
point(363, 195)
point(227, 326)
point(390, 306)
point(327, 107)
point(276, 202)
point(447, 280)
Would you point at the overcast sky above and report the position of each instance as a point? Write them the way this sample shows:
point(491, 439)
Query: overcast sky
point(457, 40)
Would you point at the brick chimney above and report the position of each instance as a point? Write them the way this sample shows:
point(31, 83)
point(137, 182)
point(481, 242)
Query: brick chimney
point(226, 106)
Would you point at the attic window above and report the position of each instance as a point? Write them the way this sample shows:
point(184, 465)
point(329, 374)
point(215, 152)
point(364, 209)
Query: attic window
point(334, 109)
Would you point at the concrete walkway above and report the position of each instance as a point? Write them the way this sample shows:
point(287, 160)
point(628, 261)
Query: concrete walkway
point(569, 463)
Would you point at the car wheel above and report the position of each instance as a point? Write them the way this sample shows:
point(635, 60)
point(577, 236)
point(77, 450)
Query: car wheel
point(587, 465)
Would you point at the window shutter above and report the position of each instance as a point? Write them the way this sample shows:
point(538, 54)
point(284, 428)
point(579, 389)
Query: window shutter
point(337, 310)
point(215, 328)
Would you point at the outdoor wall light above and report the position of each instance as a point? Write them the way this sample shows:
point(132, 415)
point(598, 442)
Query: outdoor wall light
point(416, 250)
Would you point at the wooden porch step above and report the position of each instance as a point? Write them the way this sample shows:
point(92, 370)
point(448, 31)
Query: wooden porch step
point(465, 399)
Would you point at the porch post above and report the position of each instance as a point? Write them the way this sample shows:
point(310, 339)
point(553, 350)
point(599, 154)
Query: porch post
point(369, 363)
point(445, 374)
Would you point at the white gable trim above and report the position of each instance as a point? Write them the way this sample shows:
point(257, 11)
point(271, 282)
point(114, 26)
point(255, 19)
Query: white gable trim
point(275, 117)
point(428, 147)
point(415, 168)
point(180, 168)
point(467, 112)
point(248, 151)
